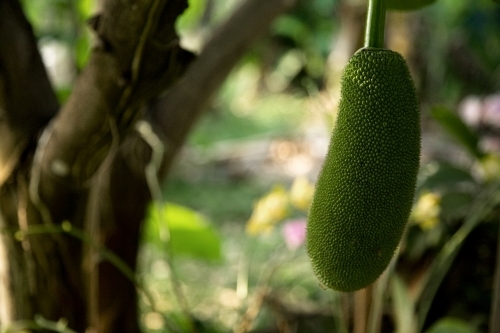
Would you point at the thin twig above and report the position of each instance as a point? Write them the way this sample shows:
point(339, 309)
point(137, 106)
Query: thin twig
point(113, 258)
point(39, 324)
point(151, 172)
point(36, 173)
point(263, 289)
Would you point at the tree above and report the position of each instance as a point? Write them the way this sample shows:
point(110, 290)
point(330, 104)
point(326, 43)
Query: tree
point(73, 176)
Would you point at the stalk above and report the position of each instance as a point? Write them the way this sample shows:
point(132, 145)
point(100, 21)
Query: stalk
point(375, 24)
point(495, 304)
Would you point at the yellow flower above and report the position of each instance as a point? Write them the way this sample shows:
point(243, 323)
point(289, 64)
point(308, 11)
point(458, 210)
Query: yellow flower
point(268, 211)
point(491, 166)
point(301, 193)
point(427, 209)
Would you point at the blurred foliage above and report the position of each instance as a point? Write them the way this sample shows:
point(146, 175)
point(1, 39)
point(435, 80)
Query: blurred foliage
point(457, 128)
point(452, 325)
point(211, 197)
point(180, 230)
point(463, 50)
point(281, 89)
point(403, 306)
point(278, 204)
point(408, 4)
point(192, 15)
point(452, 201)
point(242, 111)
point(268, 211)
point(307, 30)
point(64, 38)
point(427, 210)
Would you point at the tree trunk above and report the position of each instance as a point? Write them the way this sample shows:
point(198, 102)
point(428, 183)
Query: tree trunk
point(72, 178)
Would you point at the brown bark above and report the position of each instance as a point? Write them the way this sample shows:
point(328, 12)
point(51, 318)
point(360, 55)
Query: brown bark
point(27, 100)
point(136, 57)
point(26, 103)
point(87, 167)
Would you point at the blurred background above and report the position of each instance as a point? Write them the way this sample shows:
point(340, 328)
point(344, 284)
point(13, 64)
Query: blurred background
point(236, 201)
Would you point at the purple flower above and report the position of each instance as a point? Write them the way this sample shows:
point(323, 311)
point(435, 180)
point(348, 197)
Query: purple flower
point(294, 232)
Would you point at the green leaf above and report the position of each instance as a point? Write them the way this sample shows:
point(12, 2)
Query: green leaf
point(438, 175)
point(291, 27)
point(186, 232)
point(451, 325)
point(63, 94)
point(484, 204)
point(403, 306)
point(455, 205)
point(82, 50)
point(407, 4)
point(192, 15)
point(457, 129)
point(85, 8)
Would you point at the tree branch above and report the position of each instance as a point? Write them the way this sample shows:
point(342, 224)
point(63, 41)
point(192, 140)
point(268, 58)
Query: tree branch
point(136, 56)
point(27, 100)
point(177, 112)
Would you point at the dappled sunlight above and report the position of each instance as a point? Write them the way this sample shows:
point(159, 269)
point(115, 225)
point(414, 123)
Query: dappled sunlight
point(270, 131)
point(222, 242)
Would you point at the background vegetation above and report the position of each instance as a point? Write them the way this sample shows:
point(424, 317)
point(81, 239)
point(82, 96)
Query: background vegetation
point(227, 246)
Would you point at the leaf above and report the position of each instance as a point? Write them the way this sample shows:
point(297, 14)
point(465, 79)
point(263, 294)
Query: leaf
point(485, 202)
point(438, 175)
point(192, 15)
point(403, 306)
point(451, 325)
point(291, 27)
point(85, 8)
point(456, 204)
point(82, 50)
point(457, 129)
point(407, 4)
point(186, 231)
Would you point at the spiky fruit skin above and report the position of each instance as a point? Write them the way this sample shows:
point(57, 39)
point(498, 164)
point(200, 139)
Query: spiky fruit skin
point(365, 189)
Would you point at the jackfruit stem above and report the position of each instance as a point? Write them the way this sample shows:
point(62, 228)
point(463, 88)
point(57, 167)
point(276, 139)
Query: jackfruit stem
point(375, 24)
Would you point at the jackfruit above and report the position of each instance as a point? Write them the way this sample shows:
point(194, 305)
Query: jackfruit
point(365, 189)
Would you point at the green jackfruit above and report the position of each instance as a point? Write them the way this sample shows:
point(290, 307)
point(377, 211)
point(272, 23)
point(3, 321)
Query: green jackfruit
point(365, 189)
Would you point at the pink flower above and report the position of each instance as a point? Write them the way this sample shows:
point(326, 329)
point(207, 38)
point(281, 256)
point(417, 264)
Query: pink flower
point(491, 115)
point(294, 232)
point(475, 110)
